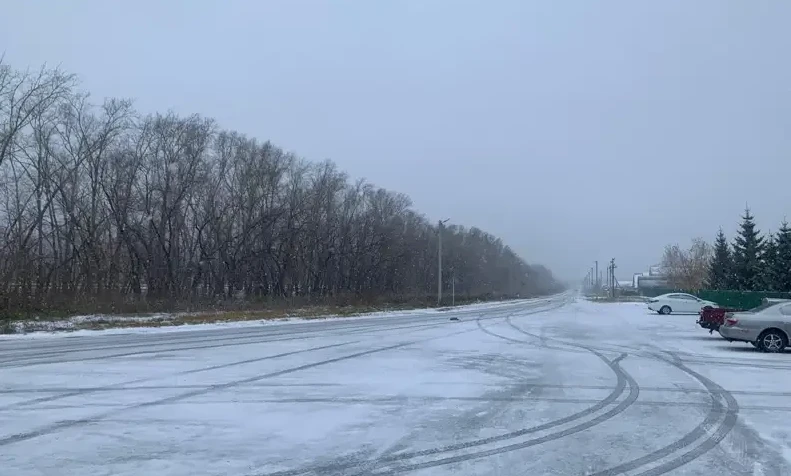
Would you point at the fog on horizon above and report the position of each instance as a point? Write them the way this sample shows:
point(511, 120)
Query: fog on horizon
point(575, 131)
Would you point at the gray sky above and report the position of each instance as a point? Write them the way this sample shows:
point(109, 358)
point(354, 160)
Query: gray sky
point(574, 130)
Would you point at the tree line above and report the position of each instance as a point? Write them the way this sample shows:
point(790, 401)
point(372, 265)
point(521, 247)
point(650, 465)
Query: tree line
point(103, 208)
point(752, 261)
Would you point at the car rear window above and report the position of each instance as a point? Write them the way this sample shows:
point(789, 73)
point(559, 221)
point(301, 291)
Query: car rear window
point(763, 306)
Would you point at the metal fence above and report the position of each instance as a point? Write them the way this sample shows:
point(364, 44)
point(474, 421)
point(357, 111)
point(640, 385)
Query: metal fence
point(735, 299)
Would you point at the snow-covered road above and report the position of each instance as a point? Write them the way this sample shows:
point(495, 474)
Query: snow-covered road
point(557, 386)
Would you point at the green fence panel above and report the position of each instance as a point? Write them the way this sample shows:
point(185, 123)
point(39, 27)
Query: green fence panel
point(740, 299)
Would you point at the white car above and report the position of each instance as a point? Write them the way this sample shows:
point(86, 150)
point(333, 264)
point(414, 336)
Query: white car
point(679, 303)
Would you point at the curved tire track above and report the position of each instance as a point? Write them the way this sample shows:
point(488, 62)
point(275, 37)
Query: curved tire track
point(634, 391)
point(383, 465)
point(518, 341)
point(688, 440)
point(715, 391)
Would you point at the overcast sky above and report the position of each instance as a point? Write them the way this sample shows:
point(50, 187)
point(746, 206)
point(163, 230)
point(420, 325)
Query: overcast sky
point(574, 130)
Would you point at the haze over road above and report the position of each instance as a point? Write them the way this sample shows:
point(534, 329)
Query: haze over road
point(547, 386)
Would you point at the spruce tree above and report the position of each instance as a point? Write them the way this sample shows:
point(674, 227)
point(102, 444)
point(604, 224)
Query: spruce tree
point(782, 262)
point(747, 249)
point(721, 265)
point(768, 264)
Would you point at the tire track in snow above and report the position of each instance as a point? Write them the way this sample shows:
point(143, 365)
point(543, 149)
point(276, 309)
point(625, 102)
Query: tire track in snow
point(689, 440)
point(634, 391)
point(712, 418)
point(384, 465)
point(375, 466)
point(234, 340)
point(66, 424)
point(120, 386)
point(543, 341)
point(127, 344)
point(205, 336)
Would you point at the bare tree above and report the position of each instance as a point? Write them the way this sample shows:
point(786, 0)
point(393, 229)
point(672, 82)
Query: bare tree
point(24, 95)
point(687, 269)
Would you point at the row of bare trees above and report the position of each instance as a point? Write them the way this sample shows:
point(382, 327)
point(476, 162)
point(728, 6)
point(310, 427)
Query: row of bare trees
point(104, 209)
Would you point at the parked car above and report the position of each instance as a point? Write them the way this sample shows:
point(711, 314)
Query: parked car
point(766, 327)
point(679, 303)
point(712, 318)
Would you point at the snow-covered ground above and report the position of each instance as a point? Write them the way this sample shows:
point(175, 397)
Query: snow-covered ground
point(546, 387)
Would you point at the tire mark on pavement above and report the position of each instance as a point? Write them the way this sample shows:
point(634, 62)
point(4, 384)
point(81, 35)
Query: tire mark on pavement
point(145, 352)
point(186, 372)
point(188, 338)
point(712, 417)
point(121, 385)
point(197, 336)
point(623, 379)
point(65, 424)
point(121, 344)
point(519, 341)
point(235, 342)
point(634, 391)
point(31, 359)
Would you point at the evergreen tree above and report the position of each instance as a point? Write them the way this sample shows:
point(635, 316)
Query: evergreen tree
point(721, 264)
point(768, 263)
point(782, 262)
point(747, 249)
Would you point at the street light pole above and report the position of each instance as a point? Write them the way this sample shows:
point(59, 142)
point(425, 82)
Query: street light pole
point(439, 261)
point(597, 275)
point(453, 288)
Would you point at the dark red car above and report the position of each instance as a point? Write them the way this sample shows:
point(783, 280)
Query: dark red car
point(712, 318)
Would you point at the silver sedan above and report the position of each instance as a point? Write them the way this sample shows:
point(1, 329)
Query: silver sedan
point(767, 327)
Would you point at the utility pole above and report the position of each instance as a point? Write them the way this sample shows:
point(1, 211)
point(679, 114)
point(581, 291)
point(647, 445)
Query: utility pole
point(612, 277)
point(439, 261)
point(453, 288)
point(597, 274)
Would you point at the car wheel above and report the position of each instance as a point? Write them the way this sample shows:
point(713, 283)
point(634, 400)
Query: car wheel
point(755, 344)
point(665, 310)
point(772, 341)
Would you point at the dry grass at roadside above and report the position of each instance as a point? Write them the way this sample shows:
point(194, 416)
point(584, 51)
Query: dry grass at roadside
point(100, 322)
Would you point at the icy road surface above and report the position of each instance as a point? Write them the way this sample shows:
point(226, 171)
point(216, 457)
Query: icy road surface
point(546, 387)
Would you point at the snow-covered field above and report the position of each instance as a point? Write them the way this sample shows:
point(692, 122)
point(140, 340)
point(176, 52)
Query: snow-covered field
point(545, 387)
